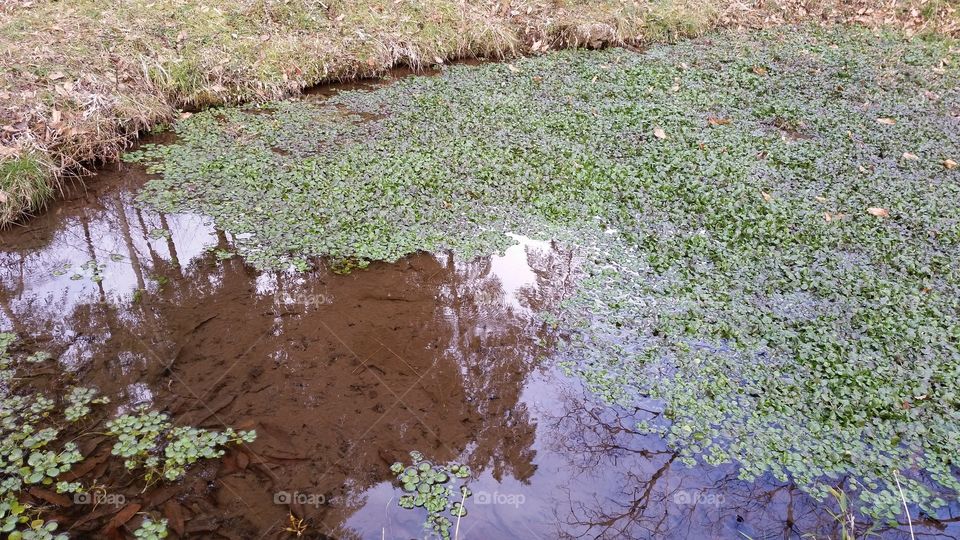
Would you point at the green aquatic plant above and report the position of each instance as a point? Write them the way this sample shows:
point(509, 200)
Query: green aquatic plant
point(148, 439)
point(33, 452)
point(152, 529)
point(766, 223)
point(79, 400)
point(431, 487)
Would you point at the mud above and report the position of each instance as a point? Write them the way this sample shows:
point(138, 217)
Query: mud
point(341, 375)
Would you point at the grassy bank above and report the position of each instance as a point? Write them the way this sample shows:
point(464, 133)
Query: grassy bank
point(79, 78)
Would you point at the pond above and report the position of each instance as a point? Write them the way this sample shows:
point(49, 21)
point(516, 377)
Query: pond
point(342, 375)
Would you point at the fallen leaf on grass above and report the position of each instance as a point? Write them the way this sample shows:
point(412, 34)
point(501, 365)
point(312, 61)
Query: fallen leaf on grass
point(886, 121)
point(513, 68)
point(185, 115)
point(950, 164)
point(878, 212)
point(759, 70)
point(659, 133)
point(4, 197)
point(766, 196)
point(715, 121)
point(912, 157)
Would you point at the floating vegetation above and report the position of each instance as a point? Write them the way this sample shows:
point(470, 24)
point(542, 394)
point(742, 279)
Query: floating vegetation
point(33, 451)
point(152, 530)
point(769, 224)
point(141, 437)
point(431, 487)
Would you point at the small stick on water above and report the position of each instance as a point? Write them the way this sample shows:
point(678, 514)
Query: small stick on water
point(456, 531)
point(896, 478)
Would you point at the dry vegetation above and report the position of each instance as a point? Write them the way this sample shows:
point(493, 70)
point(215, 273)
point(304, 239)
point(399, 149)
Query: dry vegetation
point(80, 78)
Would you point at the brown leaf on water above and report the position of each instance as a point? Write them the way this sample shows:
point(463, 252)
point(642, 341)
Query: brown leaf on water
point(659, 133)
point(886, 121)
point(174, 514)
point(242, 460)
point(950, 164)
point(51, 497)
point(911, 157)
point(716, 121)
point(878, 212)
point(122, 516)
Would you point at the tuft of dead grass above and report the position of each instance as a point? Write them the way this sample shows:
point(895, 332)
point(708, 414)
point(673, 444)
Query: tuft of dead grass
point(81, 78)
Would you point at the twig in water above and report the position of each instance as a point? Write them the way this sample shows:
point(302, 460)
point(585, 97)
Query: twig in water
point(896, 478)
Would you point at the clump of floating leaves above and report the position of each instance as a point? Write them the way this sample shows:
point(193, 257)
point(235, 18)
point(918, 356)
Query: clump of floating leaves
point(433, 488)
point(33, 452)
point(147, 439)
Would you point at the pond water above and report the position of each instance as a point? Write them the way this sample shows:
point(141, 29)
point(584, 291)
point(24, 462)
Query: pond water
point(342, 375)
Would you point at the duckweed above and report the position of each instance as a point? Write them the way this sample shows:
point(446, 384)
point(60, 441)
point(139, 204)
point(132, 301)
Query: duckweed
point(769, 229)
point(430, 487)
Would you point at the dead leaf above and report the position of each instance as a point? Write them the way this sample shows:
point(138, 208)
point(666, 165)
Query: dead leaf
point(174, 514)
point(766, 196)
point(122, 516)
point(513, 68)
point(820, 199)
point(886, 121)
point(265, 37)
point(715, 121)
point(185, 115)
point(56, 75)
point(878, 212)
point(760, 70)
point(340, 17)
point(55, 117)
point(950, 164)
point(912, 157)
point(827, 217)
point(4, 197)
point(51, 497)
point(659, 133)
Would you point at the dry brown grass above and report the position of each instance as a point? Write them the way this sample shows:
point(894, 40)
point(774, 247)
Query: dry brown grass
point(81, 78)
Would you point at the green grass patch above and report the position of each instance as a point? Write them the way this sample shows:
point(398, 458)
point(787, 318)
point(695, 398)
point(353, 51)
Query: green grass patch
point(25, 185)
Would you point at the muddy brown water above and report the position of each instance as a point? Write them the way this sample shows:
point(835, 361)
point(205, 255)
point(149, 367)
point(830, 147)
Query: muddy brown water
point(341, 375)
